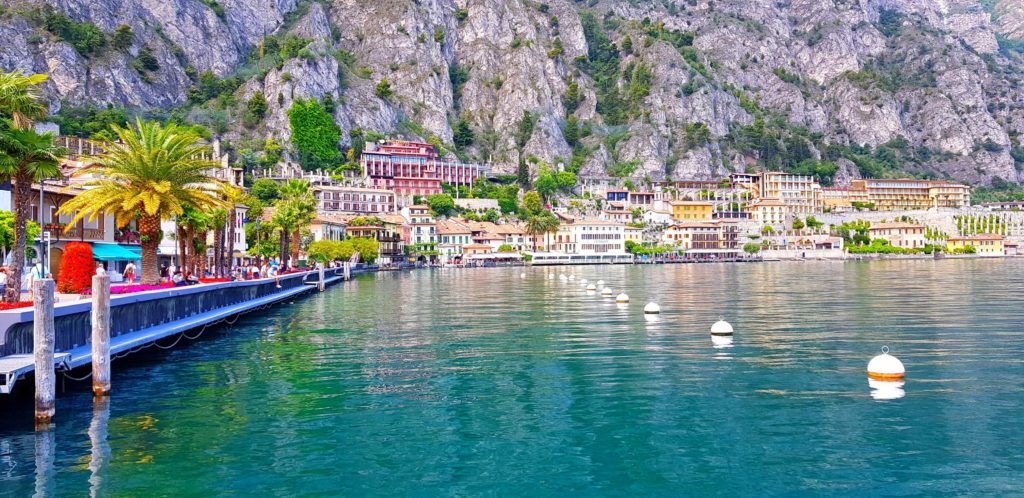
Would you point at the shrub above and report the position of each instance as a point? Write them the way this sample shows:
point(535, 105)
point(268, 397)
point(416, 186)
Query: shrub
point(76, 268)
point(384, 90)
point(122, 38)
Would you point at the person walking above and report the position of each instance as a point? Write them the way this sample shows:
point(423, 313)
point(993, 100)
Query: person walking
point(36, 273)
point(129, 272)
point(3, 280)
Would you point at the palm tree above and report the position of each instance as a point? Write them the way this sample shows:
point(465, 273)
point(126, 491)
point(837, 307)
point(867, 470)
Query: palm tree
point(25, 156)
point(150, 174)
point(233, 196)
point(21, 96)
point(295, 210)
point(544, 223)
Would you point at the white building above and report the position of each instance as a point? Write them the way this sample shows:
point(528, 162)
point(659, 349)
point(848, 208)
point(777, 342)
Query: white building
point(590, 237)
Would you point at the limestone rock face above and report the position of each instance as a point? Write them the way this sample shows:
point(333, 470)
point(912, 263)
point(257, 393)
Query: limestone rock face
point(934, 76)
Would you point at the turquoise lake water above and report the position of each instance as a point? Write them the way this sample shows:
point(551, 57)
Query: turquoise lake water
point(478, 382)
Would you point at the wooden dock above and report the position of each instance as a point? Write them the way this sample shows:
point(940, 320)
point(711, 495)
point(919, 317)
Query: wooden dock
point(172, 312)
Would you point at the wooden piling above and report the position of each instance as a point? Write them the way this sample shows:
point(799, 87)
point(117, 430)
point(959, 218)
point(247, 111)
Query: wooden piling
point(348, 270)
point(320, 284)
point(42, 350)
point(101, 335)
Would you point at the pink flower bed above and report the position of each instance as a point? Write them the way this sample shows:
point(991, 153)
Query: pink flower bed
point(128, 289)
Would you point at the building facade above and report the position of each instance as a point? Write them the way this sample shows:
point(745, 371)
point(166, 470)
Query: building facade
point(910, 194)
point(342, 199)
point(801, 194)
point(899, 234)
point(590, 237)
point(414, 169)
point(692, 210)
point(984, 245)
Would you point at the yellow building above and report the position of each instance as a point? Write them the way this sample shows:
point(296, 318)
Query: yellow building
point(907, 194)
point(692, 210)
point(769, 211)
point(801, 194)
point(984, 245)
point(899, 234)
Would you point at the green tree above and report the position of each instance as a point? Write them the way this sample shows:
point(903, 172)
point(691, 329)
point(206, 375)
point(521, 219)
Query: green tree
point(7, 236)
point(441, 204)
point(566, 180)
point(257, 105)
point(294, 211)
point(266, 190)
point(21, 97)
point(150, 173)
point(505, 248)
point(546, 184)
point(542, 223)
point(751, 248)
point(798, 224)
point(532, 203)
point(123, 38)
point(314, 135)
point(463, 136)
point(367, 248)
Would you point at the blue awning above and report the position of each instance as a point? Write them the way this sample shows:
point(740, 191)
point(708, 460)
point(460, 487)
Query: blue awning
point(114, 252)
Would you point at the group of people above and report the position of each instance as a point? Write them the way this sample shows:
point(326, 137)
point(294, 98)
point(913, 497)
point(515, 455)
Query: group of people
point(178, 276)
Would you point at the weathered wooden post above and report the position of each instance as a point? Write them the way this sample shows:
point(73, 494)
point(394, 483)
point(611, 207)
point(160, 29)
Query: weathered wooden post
point(320, 284)
point(42, 350)
point(348, 270)
point(101, 335)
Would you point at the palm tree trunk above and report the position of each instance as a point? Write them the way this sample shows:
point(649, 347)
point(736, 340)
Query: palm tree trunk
point(282, 248)
point(218, 252)
point(22, 191)
point(181, 248)
point(149, 229)
point(295, 246)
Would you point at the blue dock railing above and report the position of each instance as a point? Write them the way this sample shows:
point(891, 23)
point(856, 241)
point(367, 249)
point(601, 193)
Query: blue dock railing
point(142, 318)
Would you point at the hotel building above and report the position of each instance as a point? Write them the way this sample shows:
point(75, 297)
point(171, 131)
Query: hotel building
point(910, 194)
point(899, 234)
point(339, 199)
point(414, 168)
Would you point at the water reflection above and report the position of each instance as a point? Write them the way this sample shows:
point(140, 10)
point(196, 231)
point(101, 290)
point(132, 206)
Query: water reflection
point(99, 446)
point(45, 450)
point(883, 390)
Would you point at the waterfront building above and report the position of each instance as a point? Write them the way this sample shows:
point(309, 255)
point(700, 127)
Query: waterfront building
point(421, 227)
point(346, 199)
point(692, 210)
point(899, 234)
point(841, 199)
point(327, 227)
point(452, 236)
point(984, 244)
point(911, 194)
point(387, 230)
point(414, 169)
point(590, 237)
point(768, 211)
point(801, 194)
point(704, 239)
point(658, 216)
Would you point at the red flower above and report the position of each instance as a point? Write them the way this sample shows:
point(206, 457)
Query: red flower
point(11, 306)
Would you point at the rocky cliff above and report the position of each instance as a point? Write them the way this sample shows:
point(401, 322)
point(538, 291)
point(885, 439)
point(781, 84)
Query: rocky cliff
point(634, 89)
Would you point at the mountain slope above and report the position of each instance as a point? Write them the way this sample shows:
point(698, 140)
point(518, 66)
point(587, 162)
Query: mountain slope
point(637, 89)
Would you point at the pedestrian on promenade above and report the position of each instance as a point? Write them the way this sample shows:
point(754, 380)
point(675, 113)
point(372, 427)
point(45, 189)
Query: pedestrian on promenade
point(36, 273)
point(100, 270)
point(129, 272)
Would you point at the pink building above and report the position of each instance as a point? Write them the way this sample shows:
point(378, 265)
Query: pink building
point(414, 168)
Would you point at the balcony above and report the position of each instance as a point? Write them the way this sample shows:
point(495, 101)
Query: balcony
point(75, 233)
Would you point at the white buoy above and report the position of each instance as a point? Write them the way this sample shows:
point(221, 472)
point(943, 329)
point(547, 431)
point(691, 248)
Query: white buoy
point(886, 367)
point(591, 287)
point(721, 328)
point(572, 277)
point(583, 281)
point(607, 291)
point(551, 276)
point(622, 298)
point(522, 275)
point(652, 309)
point(600, 283)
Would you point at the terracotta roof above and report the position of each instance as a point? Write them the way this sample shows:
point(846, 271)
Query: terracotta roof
point(768, 201)
point(476, 246)
point(598, 222)
point(451, 227)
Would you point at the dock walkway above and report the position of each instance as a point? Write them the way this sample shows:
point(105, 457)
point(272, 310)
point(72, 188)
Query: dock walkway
point(15, 366)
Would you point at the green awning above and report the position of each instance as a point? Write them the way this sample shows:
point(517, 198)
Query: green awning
point(114, 252)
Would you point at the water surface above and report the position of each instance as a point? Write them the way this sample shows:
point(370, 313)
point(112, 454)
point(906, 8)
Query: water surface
point(478, 382)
